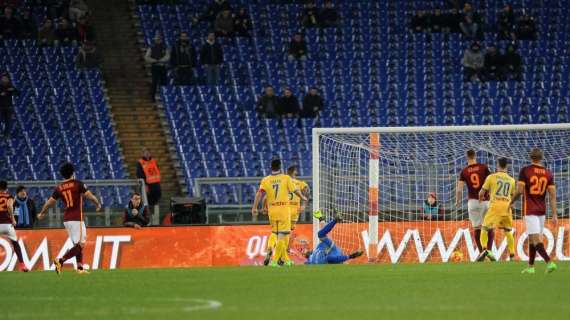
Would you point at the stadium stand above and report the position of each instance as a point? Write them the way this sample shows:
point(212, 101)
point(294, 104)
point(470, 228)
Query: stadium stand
point(372, 70)
point(61, 114)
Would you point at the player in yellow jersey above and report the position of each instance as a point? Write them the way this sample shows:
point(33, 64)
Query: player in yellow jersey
point(297, 204)
point(297, 207)
point(500, 186)
point(279, 189)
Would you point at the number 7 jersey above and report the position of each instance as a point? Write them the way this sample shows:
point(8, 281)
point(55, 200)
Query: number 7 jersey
point(71, 192)
point(278, 189)
point(536, 180)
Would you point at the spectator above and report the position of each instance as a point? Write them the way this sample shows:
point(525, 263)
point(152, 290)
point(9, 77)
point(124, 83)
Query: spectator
point(212, 57)
point(158, 56)
point(46, 34)
point(9, 25)
point(513, 63)
point(430, 210)
point(526, 28)
point(312, 104)
point(136, 213)
point(506, 23)
point(420, 22)
point(493, 64)
point(452, 21)
point(329, 16)
point(298, 48)
point(7, 91)
point(437, 22)
point(65, 34)
point(288, 104)
point(85, 31)
point(224, 25)
point(213, 10)
point(182, 58)
point(473, 62)
point(88, 56)
point(310, 15)
point(56, 8)
point(24, 209)
point(468, 11)
point(77, 9)
point(242, 23)
point(268, 102)
point(469, 28)
point(147, 169)
point(27, 28)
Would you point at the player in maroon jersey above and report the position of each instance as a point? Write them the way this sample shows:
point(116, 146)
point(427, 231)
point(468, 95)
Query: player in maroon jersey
point(7, 222)
point(71, 191)
point(474, 175)
point(534, 182)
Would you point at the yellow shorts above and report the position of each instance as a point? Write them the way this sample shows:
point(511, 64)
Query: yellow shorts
point(280, 220)
point(495, 219)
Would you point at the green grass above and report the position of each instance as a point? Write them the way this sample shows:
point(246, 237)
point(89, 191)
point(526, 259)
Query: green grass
point(431, 291)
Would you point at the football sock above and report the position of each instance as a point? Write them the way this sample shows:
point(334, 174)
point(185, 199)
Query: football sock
point(510, 242)
point(284, 255)
point(71, 253)
point(540, 249)
point(287, 239)
point(337, 259)
point(531, 254)
point(477, 235)
point(271, 242)
point(279, 249)
point(490, 239)
point(17, 250)
point(484, 238)
point(326, 229)
point(79, 258)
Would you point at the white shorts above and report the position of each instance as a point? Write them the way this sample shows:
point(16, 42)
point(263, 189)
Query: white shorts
point(7, 229)
point(76, 231)
point(477, 211)
point(534, 224)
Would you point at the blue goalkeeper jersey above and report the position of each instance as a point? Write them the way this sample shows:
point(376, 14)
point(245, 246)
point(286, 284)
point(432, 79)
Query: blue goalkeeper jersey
point(324, 252)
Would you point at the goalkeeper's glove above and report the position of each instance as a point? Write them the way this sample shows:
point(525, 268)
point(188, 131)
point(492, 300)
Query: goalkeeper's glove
point(355, 254)
point(318, 214)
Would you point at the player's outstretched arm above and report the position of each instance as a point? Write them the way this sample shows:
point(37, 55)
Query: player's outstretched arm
point(458, 193)
point(518, 192)
point(89, 195)
point(10, 205)
point(482, 194)
point(552, 201)
point(300, 195)
point(254, 209)
point(49, 203)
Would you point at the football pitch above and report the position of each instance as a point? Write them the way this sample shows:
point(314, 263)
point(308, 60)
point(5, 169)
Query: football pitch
point(408, 291)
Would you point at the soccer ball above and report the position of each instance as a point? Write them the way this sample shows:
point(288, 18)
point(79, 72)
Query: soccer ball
point(457, 256)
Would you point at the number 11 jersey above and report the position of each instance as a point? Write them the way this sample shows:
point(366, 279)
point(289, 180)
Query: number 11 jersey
point(71, 193)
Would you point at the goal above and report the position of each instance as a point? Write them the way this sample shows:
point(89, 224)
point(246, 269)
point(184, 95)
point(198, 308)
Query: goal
point(378, 179)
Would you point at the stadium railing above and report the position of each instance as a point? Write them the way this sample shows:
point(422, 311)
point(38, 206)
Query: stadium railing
point(114, 195)
point(241, 211)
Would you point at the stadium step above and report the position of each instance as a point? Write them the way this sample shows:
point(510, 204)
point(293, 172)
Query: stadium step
point(136, 118)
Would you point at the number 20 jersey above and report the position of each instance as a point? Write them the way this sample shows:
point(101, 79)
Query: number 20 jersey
point(536, 180)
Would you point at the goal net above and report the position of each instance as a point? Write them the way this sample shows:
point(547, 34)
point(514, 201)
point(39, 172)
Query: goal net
point(379, 179)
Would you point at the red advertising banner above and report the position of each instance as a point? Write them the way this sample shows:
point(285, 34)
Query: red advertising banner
point(169, 247)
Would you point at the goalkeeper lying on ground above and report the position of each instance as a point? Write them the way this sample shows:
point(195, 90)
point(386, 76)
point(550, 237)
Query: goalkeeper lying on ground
point(327, 252)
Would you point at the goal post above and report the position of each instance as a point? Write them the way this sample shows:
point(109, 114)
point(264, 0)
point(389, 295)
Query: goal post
point(379, 180)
